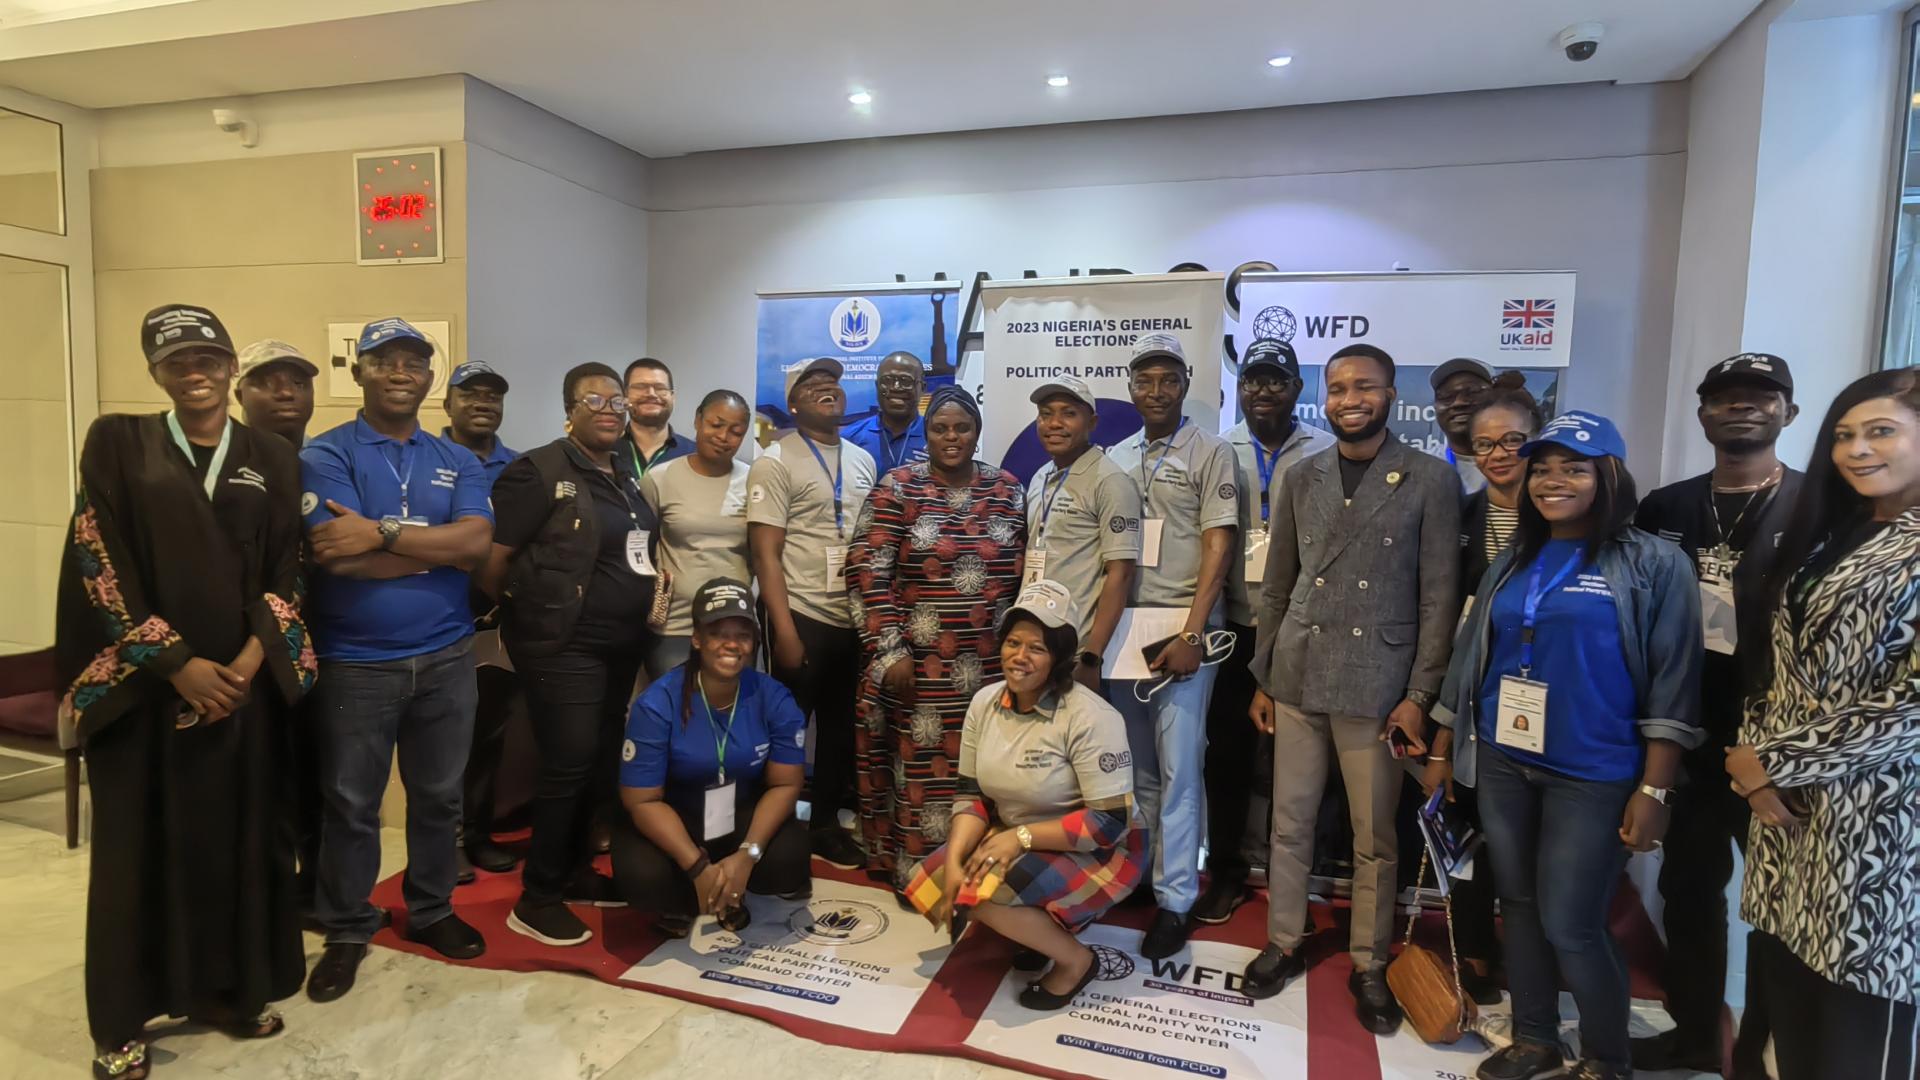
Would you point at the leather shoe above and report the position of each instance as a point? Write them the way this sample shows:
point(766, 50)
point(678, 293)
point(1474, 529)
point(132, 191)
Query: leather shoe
point(1373, 1003)
point(1167, 935)
point(490, 856)
point(1271, 971)
point(1521, 1061)
point(463, 868)
point(1218, 903)
point(1665, 1051)
point(451, 938)
point(334, 973)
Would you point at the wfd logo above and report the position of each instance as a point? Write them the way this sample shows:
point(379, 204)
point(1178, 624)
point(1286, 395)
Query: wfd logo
point(855, 324)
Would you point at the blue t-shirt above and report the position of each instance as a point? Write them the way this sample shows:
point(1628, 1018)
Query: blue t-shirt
point(495, 463)
point(361, 620)
point(1592, 718)
point(662, 751)
point(889, 451)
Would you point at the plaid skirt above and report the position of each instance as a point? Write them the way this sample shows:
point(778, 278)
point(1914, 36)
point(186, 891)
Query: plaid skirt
point(1075, 887)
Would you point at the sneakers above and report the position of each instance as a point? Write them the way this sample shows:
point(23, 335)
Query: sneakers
point(837, 847)
point(1665, 1051)
point(1595, 1069)
point(675, 926)
point(1522, 1061)
point(451, 938)
point(1373, 1003)
point(588, 887)
point(1167, 935)
point(1218, 903)
point(1271, 971)
point(548, 923)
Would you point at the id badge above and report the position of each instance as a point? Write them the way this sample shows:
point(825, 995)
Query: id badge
point(638, 560)
point(1036, 567)
point(837, 569)
point(1150, 541)
point(1257, 557)
point(717, 821)
point(1718, 624)
point(1521, 718)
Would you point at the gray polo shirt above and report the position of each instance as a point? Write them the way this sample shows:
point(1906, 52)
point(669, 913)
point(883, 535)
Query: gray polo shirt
point(789, 488)
point(1039, 766)
point(1191, 483)
point(1083, 521)
point(1306, 439)
point(703, 531)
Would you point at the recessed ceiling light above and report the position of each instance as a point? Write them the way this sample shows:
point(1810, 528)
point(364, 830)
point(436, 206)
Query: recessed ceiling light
point(1057, 81)
point(859, 97)
point(1279, 61)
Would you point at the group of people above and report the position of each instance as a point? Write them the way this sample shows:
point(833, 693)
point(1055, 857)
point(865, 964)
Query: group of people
point(255, 622)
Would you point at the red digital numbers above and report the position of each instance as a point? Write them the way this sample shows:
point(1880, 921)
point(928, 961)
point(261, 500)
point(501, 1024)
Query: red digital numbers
point(408, 207)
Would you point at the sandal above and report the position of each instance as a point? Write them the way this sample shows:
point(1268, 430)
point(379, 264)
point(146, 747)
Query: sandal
point(265, 1026)
point(127, 1063)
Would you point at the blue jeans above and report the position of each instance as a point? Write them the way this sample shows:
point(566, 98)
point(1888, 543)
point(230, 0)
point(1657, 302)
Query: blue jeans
point(423, 704)
point(1168, 737)
point(1557, 858)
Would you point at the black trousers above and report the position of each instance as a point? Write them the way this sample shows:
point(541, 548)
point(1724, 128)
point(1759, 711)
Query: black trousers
point(825, 687)
point(497, 687)
point(578, 700)
point(1233, 754)
point(650, 881)
point(303, 804)
point(1708, 818)
point(1821, 1030)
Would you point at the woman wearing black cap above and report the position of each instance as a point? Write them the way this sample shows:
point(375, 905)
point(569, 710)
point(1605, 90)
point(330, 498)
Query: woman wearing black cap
point(711, 768)
point(573, 568)
point(180, 641)
point(937, 549)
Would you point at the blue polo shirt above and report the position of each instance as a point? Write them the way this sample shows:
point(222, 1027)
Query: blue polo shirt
point(889, 451)
point(1593, 730)
point(495, 463)
point(676, 446)
point(360, 620)
point(663, 751)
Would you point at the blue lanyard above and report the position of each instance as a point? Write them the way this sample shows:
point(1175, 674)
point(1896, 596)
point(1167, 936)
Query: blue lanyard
point(887, 443)
point(1530, 608)
point(1053, 486)
point(1266, 465)
point(839, 514)
point(1147, 478)
point(402, 475)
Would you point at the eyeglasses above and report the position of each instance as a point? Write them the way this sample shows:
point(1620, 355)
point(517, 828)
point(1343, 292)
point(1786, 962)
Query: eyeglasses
point(895, 382)
point(1511, 442)
point(603, 403)
point(1464, 396)
point(661, 390)
point(406, 363)
point(1266, 384)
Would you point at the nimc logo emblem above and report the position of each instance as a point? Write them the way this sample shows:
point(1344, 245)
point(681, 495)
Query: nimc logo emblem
point(855, 324)
point(838, 922)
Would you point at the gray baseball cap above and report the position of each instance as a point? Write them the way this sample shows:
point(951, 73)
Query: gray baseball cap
point(1048, 602)
point(1065, 384)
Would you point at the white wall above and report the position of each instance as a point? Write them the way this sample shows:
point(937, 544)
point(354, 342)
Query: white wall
point(556, 254)
point(1581, 178)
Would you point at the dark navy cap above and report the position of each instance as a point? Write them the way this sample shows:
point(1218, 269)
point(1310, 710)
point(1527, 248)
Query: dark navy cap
point(477, 371)
point(387, 331)
point(1270, 353)
point(1765, 369)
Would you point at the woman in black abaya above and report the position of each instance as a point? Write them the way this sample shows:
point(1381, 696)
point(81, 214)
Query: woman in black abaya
point(180, 642)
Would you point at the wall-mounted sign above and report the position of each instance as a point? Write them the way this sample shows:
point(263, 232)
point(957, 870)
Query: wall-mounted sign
point(397, 206)
point(343, 337)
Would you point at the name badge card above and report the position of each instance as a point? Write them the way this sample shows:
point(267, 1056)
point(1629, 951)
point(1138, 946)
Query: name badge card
point(1150, 541)
point(837, 569)
point(718, 819)
point(1036, 569)
point(1521, 717)
point(1257, 557)
point(1717, 622)
point(638, 560)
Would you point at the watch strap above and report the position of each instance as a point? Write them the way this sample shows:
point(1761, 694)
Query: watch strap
point(1657, 794)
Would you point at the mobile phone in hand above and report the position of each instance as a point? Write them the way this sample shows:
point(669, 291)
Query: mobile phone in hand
point(1397, 743)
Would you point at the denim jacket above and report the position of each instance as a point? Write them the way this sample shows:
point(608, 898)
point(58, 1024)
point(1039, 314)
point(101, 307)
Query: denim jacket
point(1658, 601)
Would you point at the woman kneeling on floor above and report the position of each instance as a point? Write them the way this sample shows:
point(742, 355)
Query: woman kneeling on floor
point(1043, 839)
point(710, 771)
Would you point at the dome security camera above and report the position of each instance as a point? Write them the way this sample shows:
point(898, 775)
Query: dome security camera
point(1582, 40)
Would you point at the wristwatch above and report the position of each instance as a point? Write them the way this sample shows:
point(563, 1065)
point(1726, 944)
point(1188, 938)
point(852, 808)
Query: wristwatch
point(1422, 698)
point(1025, 836)
point(1090, 657)
point(389, 532)
point(1189, 637)
point(1657, 794)
point(753, 851)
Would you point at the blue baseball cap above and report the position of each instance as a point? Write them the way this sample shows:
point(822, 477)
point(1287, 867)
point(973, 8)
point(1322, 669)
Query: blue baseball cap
point(477, 371)
point(1584, 433)
point(387, 331)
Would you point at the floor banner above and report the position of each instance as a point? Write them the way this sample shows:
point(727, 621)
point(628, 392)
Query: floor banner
point(858, 325)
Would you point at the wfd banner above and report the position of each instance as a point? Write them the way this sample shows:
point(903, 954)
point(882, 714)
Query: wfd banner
point(1508, 321)
point(1039, 330)
point(857, 325)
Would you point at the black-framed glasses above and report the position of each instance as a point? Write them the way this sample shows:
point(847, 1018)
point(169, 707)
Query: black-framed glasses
point(613, 403)
point(1267, 384)
point(895, 382)
point(1465, 395)
point(1511, 442)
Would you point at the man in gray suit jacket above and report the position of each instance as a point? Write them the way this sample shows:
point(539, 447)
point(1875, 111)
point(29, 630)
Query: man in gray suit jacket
point(1355, 627)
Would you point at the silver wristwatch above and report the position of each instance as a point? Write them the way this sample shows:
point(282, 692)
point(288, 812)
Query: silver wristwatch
point(389, 532)
point(1657, 794)
point(753, 851)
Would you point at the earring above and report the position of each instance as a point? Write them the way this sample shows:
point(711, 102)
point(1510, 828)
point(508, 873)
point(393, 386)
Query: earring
point(569, 427)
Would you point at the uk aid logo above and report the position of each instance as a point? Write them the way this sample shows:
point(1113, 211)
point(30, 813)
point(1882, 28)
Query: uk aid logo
point(1527, 325)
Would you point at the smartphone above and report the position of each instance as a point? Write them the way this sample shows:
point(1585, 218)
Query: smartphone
point(1152, 652)
point(1397, 743)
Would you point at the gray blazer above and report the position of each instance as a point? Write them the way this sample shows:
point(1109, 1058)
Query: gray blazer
point(1360, 601)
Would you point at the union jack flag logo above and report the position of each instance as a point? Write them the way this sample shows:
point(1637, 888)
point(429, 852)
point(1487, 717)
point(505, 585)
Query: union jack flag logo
point(1527, 315)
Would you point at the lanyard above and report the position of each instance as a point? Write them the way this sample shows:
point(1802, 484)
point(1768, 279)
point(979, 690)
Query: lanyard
point(1147, 478)
point(219, 453)
point(1531, 607)
point(839, 514)
point(1267, 465)
point(1450, 457)
point(403, 475)
point(720, 735)
point(640, 464)
point(1053, 486)
point(887, 442)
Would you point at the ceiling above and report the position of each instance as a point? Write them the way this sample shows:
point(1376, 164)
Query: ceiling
point(668, 77)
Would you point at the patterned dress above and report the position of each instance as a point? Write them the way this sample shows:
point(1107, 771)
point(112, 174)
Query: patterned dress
point(931, 570)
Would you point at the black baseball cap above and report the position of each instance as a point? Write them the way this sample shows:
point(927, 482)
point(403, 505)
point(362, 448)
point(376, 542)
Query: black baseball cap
point(1760, 368)
point(1270, 353)
point(722, 598)
point(170, 328)
point(1457, 365)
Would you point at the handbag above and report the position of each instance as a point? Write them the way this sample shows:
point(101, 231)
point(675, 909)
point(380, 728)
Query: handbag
point(1427, 987)
point(662, 601)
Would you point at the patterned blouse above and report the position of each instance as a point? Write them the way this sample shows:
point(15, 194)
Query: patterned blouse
point(1839, 733)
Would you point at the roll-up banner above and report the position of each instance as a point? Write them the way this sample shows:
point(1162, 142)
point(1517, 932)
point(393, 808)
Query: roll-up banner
point(1506, 320)
point(1037, 330)
point(858, 325)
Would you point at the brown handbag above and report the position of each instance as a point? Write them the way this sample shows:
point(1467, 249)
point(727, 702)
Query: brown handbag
point(662, 601)
point(1427, 987)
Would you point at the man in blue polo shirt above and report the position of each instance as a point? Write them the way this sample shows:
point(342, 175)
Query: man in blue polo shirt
point(395, 519)
point(896, 434)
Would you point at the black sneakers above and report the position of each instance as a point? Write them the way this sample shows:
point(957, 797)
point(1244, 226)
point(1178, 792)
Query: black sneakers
point(548, 923)
point(1373, 1003)
point(837, 847)
point(1271, 971)
point(1522, 1061)
point(451, 938)
point(1218, 903)
point(1167, 935)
